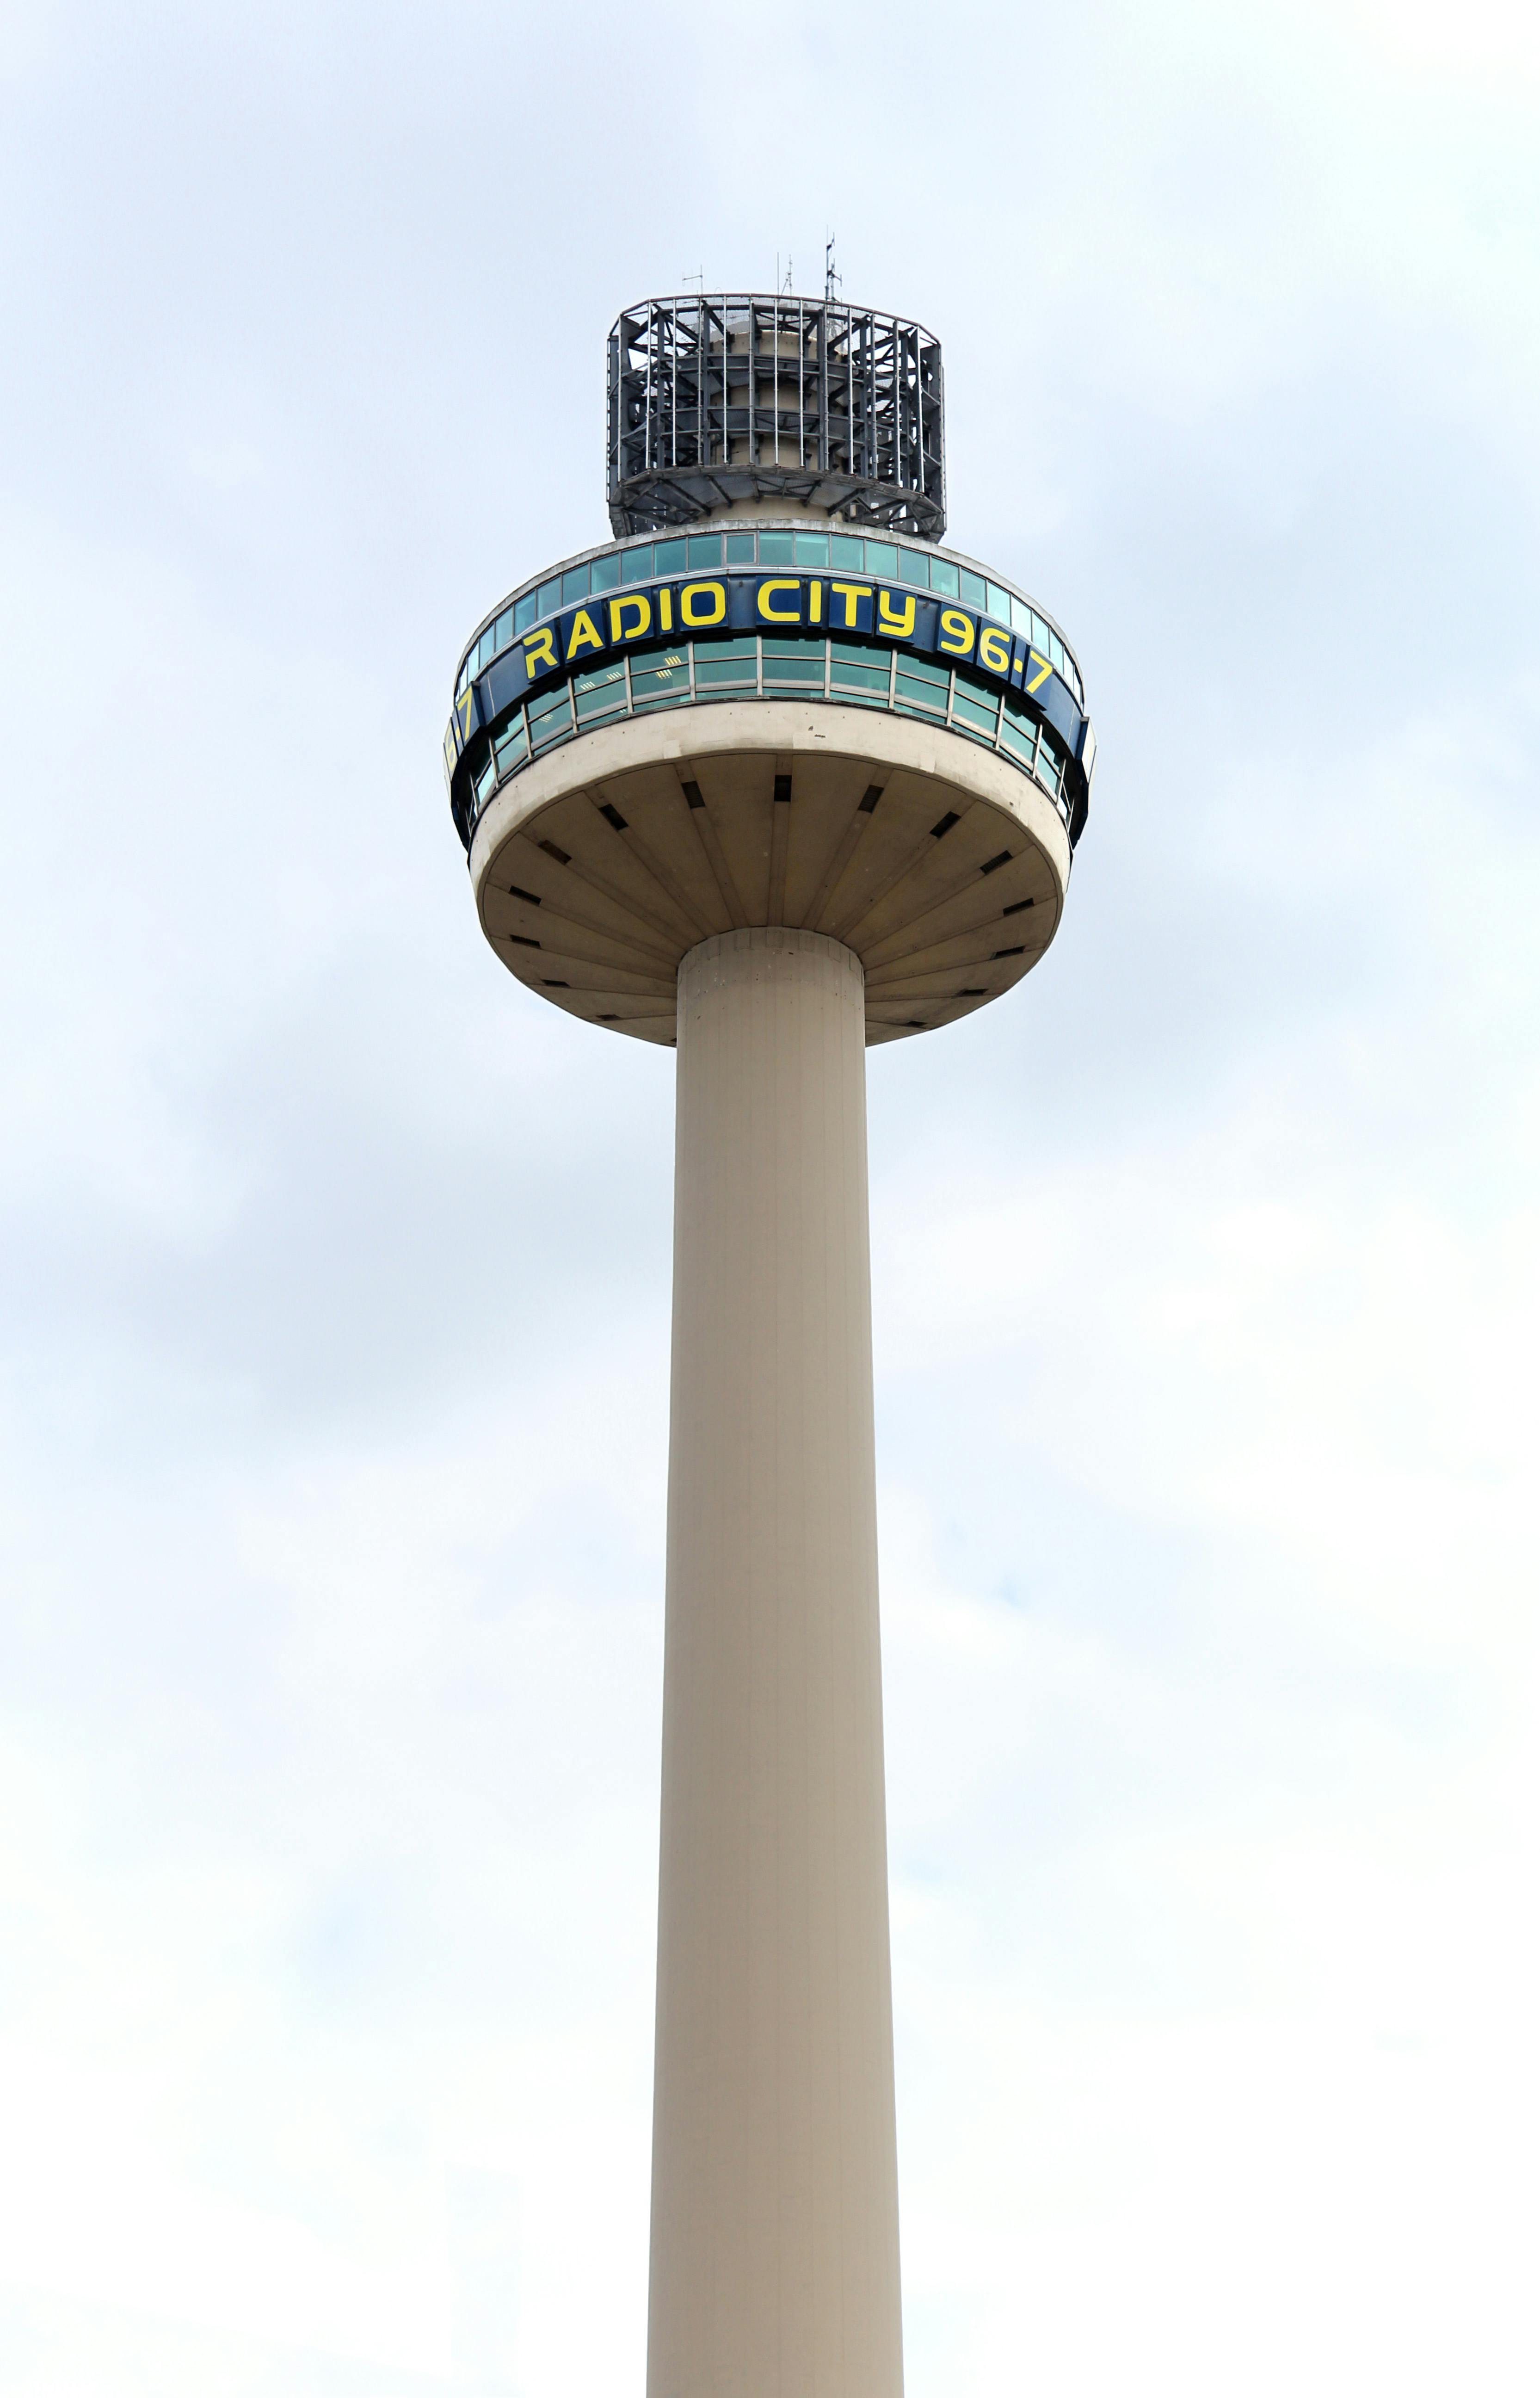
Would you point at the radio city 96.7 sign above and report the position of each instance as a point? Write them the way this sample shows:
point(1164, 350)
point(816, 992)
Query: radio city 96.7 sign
point(598, 629)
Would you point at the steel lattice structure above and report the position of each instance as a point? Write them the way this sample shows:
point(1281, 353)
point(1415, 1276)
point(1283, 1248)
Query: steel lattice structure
point(717, 397)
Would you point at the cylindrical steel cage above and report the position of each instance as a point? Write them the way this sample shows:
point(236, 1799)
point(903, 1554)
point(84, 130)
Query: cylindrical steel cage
point(717, 397)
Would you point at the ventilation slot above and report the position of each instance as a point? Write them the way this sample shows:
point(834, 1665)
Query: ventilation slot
point(606, 1019)
point(974, 991)
point(1016, 905)
point(948, 820)
point(612, 815)
point(782, 789)
point(868, 805)
point(562, 857)
point(532, 896)
point(551, 982)
point(1019, 951)
point(692, 793)
point(523, 941)
point(916, 1024)
point(1004, 859)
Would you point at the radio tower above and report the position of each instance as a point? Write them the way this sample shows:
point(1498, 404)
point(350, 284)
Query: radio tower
point(773, 776)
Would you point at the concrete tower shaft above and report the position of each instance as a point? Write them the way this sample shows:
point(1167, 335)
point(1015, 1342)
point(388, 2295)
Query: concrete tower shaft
point(775, 2191)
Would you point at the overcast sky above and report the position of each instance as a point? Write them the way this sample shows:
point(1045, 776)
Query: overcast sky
point(335, 1296)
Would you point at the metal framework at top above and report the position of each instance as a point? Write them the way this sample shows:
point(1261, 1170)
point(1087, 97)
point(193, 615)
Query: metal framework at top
point(738, 395)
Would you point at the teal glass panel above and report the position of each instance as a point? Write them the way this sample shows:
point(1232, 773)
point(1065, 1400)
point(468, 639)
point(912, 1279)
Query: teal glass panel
point(944, 576)
point(1017, 737)
point(999, 602)
point(574, 584)
point(668, 557)
point(1057, 651)
point(973, 590)
point(740, 548)
point(847, 550)
point(882, 558)
point(660, 674)
point(794, 662)
point(811, 548)
point(775, 549)
point(502, 630)
point(486, 779)
point(513, 745)
point(524, 612)
point(600, 693)
point(852, 669)
point(483, 653)
point(913, 566)
point(548, 596)
point(1040, 637)
point(554, 724)
point(603, 573)
point(975, 714)
point(1050, 769)
point(726, 664)
point(637, 564)
point(920, 690)
point(703, 549)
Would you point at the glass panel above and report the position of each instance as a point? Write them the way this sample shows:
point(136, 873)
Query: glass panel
point(524, 612)
point(797, 661)
point(548, 596)
point(848, 549)
point(601, 692)
point(603, 573)
point(740, 548)
point(1057, 651)
point(483, 651)
point(853, 670)
point(668, 557)
point(703, 549)
point(637, 564)
point(999, 602)
point(811, 548)
point(944, 576)
point(487, 777)
point(726, 663)
point(1051, 765)
point(514, 746)
point(972, 589)
point(775, 549)
point(882, 558)
point(658, 675)
point(919, 689)
point(974, 715)
point(1017, 737)
point(1040, 637)
point(574, 584)
point(913, 566)
point(503, 631)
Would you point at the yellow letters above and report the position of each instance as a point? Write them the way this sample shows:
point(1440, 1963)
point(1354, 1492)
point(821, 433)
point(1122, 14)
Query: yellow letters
point(815, 604)
point(850, 593)
point(704, 603)
point(540, 652)
point(957, 633)
point(1046, 666)
point(584, 634)
point(995, 650)
point(792, 615)
point(666, 611)
point(619, 629)
point(898, 622)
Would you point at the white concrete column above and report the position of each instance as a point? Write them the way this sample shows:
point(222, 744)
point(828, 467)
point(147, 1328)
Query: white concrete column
point(775, 2270)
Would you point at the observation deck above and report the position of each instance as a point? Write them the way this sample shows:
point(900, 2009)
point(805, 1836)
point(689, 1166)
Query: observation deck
point(771, 718)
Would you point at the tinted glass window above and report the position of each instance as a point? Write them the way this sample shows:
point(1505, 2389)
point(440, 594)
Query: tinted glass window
point(637, 564)
point(847, 549)
point(574, 584)
point(973, 588)
point(775, 549)
point(1057, 651)
point(944, 576)
point(740, 548)
point(547, 597)
point(524, 612)
point(811, 548)
point(603, 573)
point(913, 566)
point(503, 629)
point(668, 557)
point(882, 558)
point(703, 549)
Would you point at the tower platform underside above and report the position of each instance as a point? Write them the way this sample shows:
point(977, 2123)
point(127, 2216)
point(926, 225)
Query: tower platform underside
point(600, 865)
